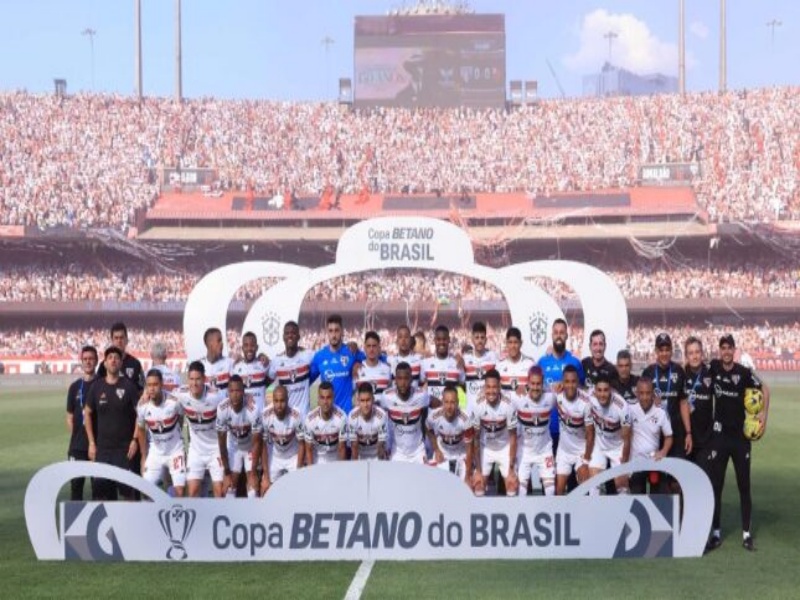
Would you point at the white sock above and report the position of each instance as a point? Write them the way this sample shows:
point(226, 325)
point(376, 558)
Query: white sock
point(622, 491)
point(549, 489)
point(716, 533)
point(251, 493)
point(523, 489)
point(745, 534)
point(594, 492)
point(230, 493)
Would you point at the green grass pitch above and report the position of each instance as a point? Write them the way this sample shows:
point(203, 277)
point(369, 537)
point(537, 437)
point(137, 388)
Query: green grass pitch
point(32, 434)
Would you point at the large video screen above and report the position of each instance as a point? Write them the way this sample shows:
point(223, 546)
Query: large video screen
point(430, 60)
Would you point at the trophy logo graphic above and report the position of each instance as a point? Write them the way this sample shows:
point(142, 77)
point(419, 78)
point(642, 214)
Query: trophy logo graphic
point(177, 523)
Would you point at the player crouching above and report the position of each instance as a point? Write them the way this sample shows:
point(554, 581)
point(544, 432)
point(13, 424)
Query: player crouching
point(451, 435)
point(282, 448)
point(239, 436)
point(536, 443)
point(577, 431)
point(367, 427)
point(495, 423)
point(612, 424)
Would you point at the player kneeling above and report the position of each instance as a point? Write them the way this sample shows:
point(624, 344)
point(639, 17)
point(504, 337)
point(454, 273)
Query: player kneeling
point(495, 423)
point(325, 430)
point(367, 427)
point(612, 425)
point(160, 415)
point(536, 444)
point(239, 436)
point(451, 435)
point(283, 439)
point(577, 431)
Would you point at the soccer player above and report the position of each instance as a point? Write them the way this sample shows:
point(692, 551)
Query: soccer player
point(451, 434)
point(372, 371)
point(669, 386)
point(239, 437)
point(650, 425)
point(477, 363)
point(731, 379)
point(292, 369)
point(406, 352)
point(111, 408)
point(130, 367)
point(442, 368)
point(160, 414)
point(200, 403)
point(252, 371)
point(367, 426)
point(325, 429)
point(536, 445)
point(283, 447)
point(515, 366)
point(612, 425)
point(334, 364)
point(495, 423)
point(577, 443)
point(406, 408)
point(76, 399)
point(553, 367)
point(171, 381)
point(218, 368)
point(625, 383)
point(597, 364)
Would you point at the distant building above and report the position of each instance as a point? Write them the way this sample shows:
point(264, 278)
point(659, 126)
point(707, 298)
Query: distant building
point(613, 81)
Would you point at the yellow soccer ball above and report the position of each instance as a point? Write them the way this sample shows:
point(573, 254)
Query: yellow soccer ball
point(752, 428)
point(753, 401)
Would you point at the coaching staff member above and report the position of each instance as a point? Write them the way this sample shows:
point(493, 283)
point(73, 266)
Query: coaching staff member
point(730, 380)
point(111, 404)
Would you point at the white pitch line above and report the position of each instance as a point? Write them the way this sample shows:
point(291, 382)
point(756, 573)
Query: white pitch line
point(359, 580)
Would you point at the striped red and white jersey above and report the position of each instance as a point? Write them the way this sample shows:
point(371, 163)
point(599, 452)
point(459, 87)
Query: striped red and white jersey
point(405, 419)
point(282, 434)
point(609, 421)
point(574, 416)
point(380, 376)
point(514, 373)
point(218, 373)
point(414, 361)
point(201, 415)
point(367, 432)
point(254, 375)
point(171, 380)
point(494, 422)
point(533, 418)
point(452, 435)
point(440, 372)
point(475, 368)
point(324, 435)
point(240, 426)
point(163, 422)
point(293, 372)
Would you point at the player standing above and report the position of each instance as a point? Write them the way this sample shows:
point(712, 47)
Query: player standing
point(367, 426)
point(650, 425)
point(159, 414)
point(536, 445)
point(441, 369)
point(199, 404)
point(373, 371)
point(76, 399)
point(130, 366)
point(283, 446)
point(292, 370)
point(325, 429)
point(171, 381)
point(451, 434)
point(731, 379)
point(597, 364)
point(477, 363)
point(577, 428)
point(334, 364)
point(218, 368)
point(625, 383)
point(495, 423)
point(514, 368)
point(252, 371)
point(612, 425)
point(239, 437)
point(406, 353)
point(406, 408)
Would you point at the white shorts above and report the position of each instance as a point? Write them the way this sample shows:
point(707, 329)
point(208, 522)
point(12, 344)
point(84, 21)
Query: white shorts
point(417, 457)
point(460, 466)
point(240, 460)
point(565, 462)
point(321, 458)
point(599, 457)
point(279, 465)
point(174, 462)
point(199, 463)
point(490, 457)
point(544, 463)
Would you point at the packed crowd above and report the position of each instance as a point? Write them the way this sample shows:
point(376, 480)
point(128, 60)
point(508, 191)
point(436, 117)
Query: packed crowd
point(763, 340)
point(87, 161)
point(127, 281)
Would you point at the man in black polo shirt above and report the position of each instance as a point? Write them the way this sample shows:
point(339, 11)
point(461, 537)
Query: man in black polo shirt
point(111, 407)
point(596, 364)
point(700, 396)
point(625, 383)
point(130, 368)
point(76, 399)
point(730, 380)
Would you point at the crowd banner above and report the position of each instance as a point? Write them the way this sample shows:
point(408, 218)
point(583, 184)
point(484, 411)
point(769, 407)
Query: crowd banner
point(402, 243)
point(368, 511)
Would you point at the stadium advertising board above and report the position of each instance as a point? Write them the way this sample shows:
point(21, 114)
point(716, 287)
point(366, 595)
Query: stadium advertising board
point(400, 243)
point(430, 60)
point(669, 173)
point(368, 511)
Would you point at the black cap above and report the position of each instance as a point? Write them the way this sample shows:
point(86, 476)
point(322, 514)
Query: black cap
point(727, 339)
point(663, 339)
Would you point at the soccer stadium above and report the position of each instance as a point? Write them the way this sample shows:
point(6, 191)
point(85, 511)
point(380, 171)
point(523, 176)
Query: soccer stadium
point(114, 208)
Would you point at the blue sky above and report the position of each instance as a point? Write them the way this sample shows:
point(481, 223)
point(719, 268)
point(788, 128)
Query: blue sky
point(272, 49)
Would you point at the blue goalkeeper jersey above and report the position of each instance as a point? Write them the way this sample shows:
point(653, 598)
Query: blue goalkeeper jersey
point(337, 368)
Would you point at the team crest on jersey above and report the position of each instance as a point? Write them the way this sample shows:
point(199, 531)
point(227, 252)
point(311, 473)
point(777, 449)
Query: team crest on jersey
point(442, 377)
point(292, 375)
point(537, 325)
point(344, 360)
point(707, 381)
point(271, 328)
point(674, 377)
point(120, 393)
point(735, 379)
point(479, 372)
